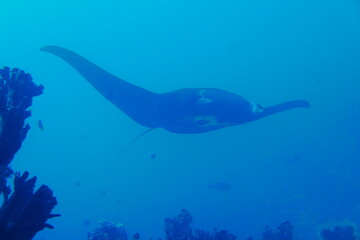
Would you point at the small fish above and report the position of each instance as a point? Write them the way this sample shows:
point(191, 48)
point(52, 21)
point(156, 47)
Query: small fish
point(153, 156)
point(220, 186)
point(41, 125)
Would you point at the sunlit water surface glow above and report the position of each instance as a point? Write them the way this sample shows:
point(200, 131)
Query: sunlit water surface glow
point(301, 165)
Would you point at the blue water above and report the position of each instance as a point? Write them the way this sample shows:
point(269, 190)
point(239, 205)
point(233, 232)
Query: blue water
point(301, 165)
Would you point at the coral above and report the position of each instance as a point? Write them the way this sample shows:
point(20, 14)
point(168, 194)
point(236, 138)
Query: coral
point(178, 228)
point(5, 172)
point(283, 232)
point(339, 233)
point(215, 235)
point(25, 212)
point(136, 236)
point(109, 231)
point(16, 92)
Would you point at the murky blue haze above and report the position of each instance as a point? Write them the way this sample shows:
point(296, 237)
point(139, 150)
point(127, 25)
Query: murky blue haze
point(301, 165)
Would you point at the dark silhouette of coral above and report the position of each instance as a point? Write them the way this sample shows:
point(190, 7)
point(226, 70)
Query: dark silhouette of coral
point(16, 92)
point(283, 232)
point(25, 212)
point(214, 235)
point(178, 228)
point(109, 231)
point(5, 172)
point(136, 236)
point(339, 233)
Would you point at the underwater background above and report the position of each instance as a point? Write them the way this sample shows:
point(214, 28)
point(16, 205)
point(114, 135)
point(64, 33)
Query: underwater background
point(300, 165)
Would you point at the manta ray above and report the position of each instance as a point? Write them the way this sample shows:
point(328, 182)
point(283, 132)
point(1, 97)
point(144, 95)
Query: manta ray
point(183, 111)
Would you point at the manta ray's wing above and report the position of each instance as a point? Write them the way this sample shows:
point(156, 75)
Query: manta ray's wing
point(135, 101)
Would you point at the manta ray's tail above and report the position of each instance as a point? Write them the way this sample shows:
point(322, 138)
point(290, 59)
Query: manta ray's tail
point(284, 106)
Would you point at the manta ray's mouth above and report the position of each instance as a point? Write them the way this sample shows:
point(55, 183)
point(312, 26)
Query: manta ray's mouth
point(207, 121)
